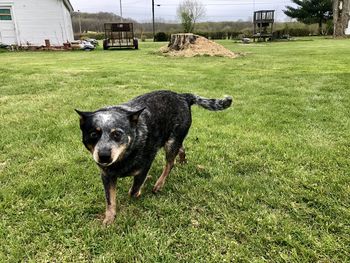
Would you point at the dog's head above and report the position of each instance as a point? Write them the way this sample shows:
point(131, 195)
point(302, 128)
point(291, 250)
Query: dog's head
point(108, 133)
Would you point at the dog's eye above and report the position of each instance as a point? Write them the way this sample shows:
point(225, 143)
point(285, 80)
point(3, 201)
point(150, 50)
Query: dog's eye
point(117, 135)
point(93, 135)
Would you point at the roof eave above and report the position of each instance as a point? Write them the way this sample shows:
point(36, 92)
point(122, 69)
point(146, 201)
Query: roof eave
point(68, 5)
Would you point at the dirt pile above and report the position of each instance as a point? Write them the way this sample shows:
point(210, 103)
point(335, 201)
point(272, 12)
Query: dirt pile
point(190, 45)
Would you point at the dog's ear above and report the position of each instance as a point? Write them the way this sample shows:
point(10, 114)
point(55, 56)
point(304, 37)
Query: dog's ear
point(134, 116)
point(82, 115)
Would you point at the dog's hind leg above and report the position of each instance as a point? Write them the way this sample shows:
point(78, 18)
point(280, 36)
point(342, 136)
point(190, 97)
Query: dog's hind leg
point(161, 180)
point(171, 148)
point(182, 155)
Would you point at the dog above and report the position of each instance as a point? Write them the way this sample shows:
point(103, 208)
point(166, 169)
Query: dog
point(125, 139)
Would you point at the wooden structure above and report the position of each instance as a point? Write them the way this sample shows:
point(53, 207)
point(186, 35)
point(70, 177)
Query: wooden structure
point(263, 24)
point(119, 35)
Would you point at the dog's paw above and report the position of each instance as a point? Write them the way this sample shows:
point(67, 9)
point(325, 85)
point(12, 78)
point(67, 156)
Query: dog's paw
point(109, 219)
point(157, 188)
point(158, 185)
point(181, 161)
point(134, 195)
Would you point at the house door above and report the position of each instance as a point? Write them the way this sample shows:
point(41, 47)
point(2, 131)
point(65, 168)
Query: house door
point(7, 26)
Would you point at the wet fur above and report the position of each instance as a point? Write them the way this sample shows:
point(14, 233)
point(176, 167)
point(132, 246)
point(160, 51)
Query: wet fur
point(133, 133)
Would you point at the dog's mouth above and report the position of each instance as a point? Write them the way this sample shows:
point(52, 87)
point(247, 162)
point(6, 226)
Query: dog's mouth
point(106, 160)
point(105, 164)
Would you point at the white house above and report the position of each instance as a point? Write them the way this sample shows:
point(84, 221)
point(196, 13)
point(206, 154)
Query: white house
point(347, 31)
point(31, 22)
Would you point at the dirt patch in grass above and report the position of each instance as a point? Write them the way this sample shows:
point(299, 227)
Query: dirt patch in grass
point(199, 47)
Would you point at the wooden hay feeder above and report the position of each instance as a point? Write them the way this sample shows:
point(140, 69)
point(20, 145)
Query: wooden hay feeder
point(263, 24)
point(119, 35)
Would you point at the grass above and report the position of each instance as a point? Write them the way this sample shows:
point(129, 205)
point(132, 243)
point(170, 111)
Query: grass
point(267, 180)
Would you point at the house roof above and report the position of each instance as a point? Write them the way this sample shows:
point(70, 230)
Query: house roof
point(68, 5)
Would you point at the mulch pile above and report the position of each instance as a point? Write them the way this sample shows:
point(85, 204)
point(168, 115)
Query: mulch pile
point(199, 47)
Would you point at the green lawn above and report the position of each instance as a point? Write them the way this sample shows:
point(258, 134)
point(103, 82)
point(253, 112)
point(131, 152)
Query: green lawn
point(267, 180)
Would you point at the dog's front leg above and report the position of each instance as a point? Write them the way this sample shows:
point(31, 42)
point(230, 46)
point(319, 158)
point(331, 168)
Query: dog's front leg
point(139, 180)
point(109, 183)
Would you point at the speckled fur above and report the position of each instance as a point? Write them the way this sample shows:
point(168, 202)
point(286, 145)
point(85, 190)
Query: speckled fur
point(143, 125)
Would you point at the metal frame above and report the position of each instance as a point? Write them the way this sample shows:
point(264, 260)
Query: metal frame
point(119, 35)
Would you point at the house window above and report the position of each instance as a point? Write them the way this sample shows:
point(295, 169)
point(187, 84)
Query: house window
point(5, 14)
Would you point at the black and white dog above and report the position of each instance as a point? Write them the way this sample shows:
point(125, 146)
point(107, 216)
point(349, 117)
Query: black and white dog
point(125, 139)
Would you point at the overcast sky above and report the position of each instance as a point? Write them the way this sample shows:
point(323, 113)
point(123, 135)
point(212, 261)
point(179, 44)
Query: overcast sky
point(216, 10)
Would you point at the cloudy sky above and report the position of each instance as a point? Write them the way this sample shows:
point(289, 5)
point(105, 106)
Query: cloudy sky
point(216, 10)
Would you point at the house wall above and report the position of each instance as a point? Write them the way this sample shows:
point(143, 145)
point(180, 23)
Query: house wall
point(7, 27)
point(37, 20)
point(68, 23)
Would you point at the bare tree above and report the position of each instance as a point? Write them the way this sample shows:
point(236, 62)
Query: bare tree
point(341, 16)
point(189, 11)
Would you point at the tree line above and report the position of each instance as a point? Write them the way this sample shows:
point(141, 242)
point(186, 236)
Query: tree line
point(94, 22)
point(331, 16)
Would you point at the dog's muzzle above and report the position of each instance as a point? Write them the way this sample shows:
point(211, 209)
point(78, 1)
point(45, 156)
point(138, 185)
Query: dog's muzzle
point(106, 157)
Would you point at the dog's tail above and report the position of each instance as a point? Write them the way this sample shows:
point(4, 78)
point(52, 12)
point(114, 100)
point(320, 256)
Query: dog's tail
point(209, 104)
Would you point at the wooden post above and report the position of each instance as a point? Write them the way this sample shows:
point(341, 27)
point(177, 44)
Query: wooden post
point(153, 26)
point(47, 43)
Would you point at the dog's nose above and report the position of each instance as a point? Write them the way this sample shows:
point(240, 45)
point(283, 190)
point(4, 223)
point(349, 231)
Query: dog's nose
point(104, 156)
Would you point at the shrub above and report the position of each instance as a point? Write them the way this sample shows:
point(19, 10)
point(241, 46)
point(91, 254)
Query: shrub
point(95, 35)
point(161, 36)
point(218, 34)
point(295, 32)
point(203, 34)
point(234, 35)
